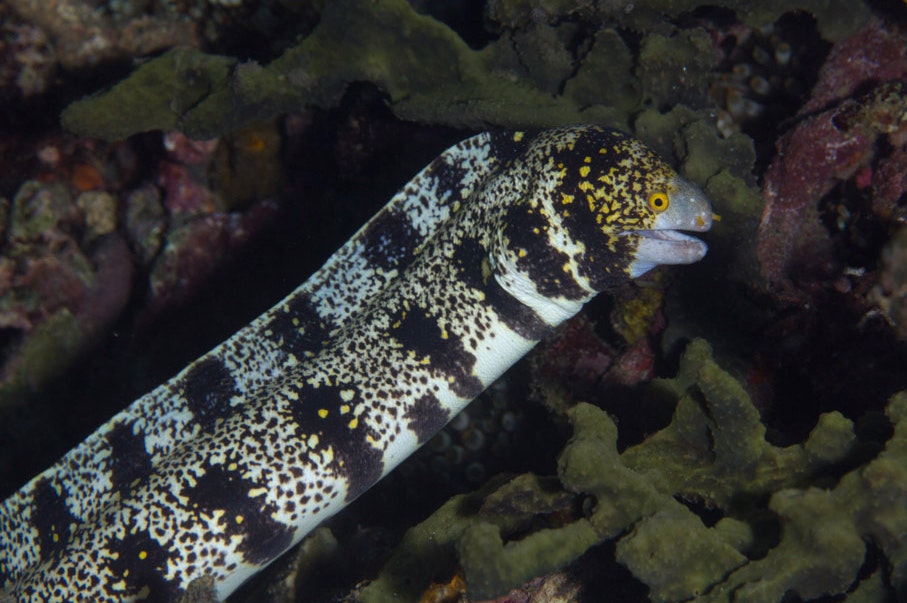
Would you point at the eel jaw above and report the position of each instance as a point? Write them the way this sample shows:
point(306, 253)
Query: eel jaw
point(655, 247)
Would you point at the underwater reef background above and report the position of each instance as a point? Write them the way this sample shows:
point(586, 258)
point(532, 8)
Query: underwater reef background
point(735, 430)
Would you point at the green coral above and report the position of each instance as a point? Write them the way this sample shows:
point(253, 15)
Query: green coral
point(677, 66)
point(700, 556)
point(490, 565)
point(715, 452)
point(531, 76)
point(715, 448)
point(428, 72)
point(609, 60)
point(157, 96)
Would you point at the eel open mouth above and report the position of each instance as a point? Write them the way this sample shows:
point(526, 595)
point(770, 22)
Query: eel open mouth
point(656, 247)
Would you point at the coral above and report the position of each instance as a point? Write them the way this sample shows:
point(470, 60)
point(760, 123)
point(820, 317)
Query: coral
point(82, 37)
point(888, 185)
point(890, 293)
point(39, 211)
point(541, 55)
point(577, 359)
point(720, 454)
point(574, 358)
point(559, 587)
point(66, 269)
point(713, 455)
point(722, 165)
point(823, 150)
point(385, 43)
point(824, 532)
point(201, 233)
point(832, 146)
point(609, 60)
point(100, 211)
point(701, 557)
point(537, 73)
point(676, 67)
point(163, 90)
point(873, 53)
point(56, 297)
point(765, 73)
point(145, 222)
point(424, 553)
point(182, 176)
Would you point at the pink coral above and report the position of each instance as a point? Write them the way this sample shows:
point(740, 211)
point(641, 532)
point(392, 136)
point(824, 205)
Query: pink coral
point(832, 146)
point(875, 53)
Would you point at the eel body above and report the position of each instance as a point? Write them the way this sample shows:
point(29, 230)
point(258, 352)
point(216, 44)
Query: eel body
point(223, 468)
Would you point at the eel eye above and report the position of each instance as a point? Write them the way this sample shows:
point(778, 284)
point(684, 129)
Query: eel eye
point(658, 202)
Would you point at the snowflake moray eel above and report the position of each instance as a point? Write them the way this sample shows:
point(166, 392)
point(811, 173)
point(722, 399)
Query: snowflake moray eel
point(223, 468)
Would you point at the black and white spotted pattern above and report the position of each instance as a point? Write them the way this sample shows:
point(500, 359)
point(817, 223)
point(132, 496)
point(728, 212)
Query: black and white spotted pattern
point(223, 468)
